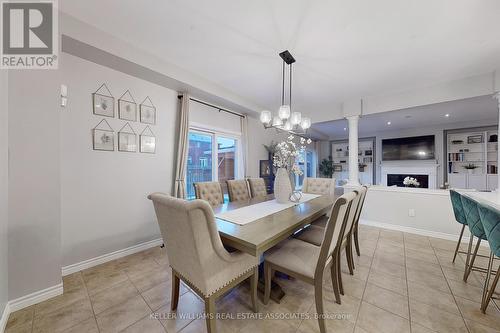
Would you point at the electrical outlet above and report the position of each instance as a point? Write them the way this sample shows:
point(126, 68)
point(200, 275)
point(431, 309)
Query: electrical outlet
point(411, 212)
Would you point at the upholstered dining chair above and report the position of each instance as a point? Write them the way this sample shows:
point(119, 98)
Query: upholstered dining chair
point(476, 229)
point(210, 192)
point(306, 261)
point(355, 230)
point(196, 255)
point(319, 186)
point(257, 187)
point(238, 190)
point(458, 211)
point(490, 219)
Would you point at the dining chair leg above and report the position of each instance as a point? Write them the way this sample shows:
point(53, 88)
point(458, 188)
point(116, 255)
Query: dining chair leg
point(175, 291)
point(348, 255)
point(339, 274)
point(318, 297)
point(210, 314)
point(473, 258)
point(254, 282)
point(469, 249)
point(356, 240)
point(268, 274)
point(491, 291)
point(487, 282)
point(335, 282)
point(458, 244)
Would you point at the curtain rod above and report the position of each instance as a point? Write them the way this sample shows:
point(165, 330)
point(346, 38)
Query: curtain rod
point(214, 106)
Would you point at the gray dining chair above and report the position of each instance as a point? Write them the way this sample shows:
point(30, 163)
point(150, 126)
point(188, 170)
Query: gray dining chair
point(238, 190)
point(257, 187)
point(307, 262)
point(209, 191)
point(196, 255)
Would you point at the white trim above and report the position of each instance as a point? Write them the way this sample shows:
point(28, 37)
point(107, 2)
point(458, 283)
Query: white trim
point(70, 269)
point(5, 317)
point(421, 232)
point(36, 297)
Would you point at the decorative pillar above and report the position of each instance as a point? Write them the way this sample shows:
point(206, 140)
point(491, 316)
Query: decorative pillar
point(497, 96)
point(353, 151)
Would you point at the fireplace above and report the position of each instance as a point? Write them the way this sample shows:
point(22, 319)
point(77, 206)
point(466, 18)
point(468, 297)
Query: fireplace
point(397, 179)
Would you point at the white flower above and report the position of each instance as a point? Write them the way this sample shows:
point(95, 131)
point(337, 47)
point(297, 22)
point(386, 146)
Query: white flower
point(309, 141)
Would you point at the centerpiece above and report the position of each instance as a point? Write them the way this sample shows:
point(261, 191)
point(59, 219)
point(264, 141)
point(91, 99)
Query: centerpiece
point(411, 182)
point(286, 159)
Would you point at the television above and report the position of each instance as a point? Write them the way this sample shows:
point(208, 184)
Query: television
point(410, 148)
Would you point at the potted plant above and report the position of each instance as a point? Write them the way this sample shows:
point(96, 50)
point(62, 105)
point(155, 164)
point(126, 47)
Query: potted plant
point(470, 167)
point(326, 167)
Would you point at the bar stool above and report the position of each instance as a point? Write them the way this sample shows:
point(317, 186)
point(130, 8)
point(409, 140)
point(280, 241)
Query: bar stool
point(476, 229)
point(490, 218)
point(458, 211)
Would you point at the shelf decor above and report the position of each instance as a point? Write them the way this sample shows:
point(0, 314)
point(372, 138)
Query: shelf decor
point(147, 111)
point(127, 107)
point(103, 102)
point(127, 139)
point(147, 141)
point(103, 136)
point(475, 139)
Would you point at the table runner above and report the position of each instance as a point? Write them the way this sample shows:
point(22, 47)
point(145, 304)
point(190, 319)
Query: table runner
point(244, 215)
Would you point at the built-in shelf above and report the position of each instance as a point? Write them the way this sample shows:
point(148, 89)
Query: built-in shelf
point(366, 157)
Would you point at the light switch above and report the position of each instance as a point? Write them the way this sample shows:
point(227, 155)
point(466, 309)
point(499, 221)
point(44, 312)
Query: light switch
point(411, 212)
point(64, 90)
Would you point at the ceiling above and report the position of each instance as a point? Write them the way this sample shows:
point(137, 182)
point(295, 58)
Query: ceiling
point(344, 49)
point(461, 113)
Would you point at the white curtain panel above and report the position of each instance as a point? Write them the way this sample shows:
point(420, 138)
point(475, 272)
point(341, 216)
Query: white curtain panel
point(182, 150)
point(244, 145)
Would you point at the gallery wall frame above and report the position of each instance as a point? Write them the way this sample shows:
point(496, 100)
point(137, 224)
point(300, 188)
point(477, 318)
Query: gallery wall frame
point(127, 139)
point(103, 102)
point(147, 111)
point(127, 107)
point(147, 141)
point(103, 138)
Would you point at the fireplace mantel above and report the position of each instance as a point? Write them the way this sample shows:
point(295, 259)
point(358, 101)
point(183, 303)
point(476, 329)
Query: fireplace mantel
point(411, 168)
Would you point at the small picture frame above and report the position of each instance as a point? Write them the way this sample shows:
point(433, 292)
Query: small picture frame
point(264, 168)
point(103, 138)
point(147, 141)
point(337, 168)
point(127, 139)
point(368, 152)
point(147, 112)
point(127, 107)
point(475, 139)
point(103, 102)
point(367, 160)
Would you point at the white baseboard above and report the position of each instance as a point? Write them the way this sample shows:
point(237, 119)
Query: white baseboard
point(70, 269)
point(5, 317)
point(36, 297)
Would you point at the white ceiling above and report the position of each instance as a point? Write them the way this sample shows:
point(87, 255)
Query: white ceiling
point(344, 49)
point(462, 113)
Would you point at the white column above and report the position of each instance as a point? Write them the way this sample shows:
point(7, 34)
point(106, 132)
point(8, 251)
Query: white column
point(353, 151)
point(497, 96)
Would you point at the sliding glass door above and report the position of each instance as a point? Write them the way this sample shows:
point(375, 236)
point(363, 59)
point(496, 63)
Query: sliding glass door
point(199, 161)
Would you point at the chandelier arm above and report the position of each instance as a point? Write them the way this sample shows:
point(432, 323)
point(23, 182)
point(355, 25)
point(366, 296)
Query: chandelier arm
point(283, 84)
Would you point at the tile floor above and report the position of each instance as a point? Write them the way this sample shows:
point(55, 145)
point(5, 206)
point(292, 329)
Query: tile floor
point(402, 283)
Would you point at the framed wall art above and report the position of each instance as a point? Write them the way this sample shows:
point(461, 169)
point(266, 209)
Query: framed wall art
point(147, 141)
point(127, 139)
point(103, 136)
point(264, 168)
point(103, 102)
point(127, 107)
point(147, 112)
point(475, 138)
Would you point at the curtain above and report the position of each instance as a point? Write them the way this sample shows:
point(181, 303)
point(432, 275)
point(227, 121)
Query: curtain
point(182, 149)
point(244, 145)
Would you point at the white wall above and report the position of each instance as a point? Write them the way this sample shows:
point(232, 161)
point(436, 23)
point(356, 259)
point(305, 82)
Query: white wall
point(4, 164)
point(103, 205)
point(34, 238)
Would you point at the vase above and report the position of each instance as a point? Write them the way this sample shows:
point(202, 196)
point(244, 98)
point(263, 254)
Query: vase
point(282, 186)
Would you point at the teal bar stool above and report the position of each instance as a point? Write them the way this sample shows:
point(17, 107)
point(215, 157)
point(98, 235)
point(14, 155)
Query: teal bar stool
point(458, 211)
point(490, 218)
point(476, 229)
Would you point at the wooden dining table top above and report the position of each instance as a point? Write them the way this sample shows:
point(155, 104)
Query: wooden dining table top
point(258, 236)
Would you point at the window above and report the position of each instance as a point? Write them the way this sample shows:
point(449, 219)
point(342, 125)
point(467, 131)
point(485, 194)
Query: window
point(211, 156)
point(306, 164)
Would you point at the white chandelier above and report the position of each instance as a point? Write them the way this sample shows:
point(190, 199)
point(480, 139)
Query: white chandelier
point(286, 120)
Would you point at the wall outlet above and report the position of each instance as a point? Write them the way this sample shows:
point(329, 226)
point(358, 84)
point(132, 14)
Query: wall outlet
point(411, 212)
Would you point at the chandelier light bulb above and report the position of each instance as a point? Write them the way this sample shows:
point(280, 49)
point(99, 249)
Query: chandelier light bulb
point(296, 118)
point(277, 121)
point(306, 123)
point(284, 112)
point(288, 126)
point(266, 117)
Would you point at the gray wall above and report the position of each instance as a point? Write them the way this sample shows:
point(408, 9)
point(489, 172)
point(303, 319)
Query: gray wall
point(34, 182)
point(4, 163)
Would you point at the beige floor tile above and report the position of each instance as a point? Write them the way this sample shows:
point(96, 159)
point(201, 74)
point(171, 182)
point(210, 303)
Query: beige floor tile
point(332, 325)
point(58, 302)
point(422, 256)
point(422, 248)
point(424, 267)
point(416, 328)
point(374, 319)
point(97, 280)
point(442, 301)
point(352, 286)
point(21, 328)
point(443, 244)
point(389, 282)
point(472, 311)
point(189, 308)
point(435, 319)
point(268, 326)
point(458, 275)
point(358, 329)
point(22, 317)
point(87, 326)
point(63, 318)
point(390, 269)
point(142, 268)
point(475, 327)
point(222, 326)
point(158, 296)
point(151, 278)
point(466, 290)
point(381, 257)
point(145, 325)
point(360, 272)
point(387, 300)
point(362, 260)
point(428, 280)
point(120, 316)
point(112, 296)
point(73, 281)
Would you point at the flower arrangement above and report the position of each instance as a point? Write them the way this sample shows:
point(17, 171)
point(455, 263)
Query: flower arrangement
point(287, 154)
point(411, 182)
